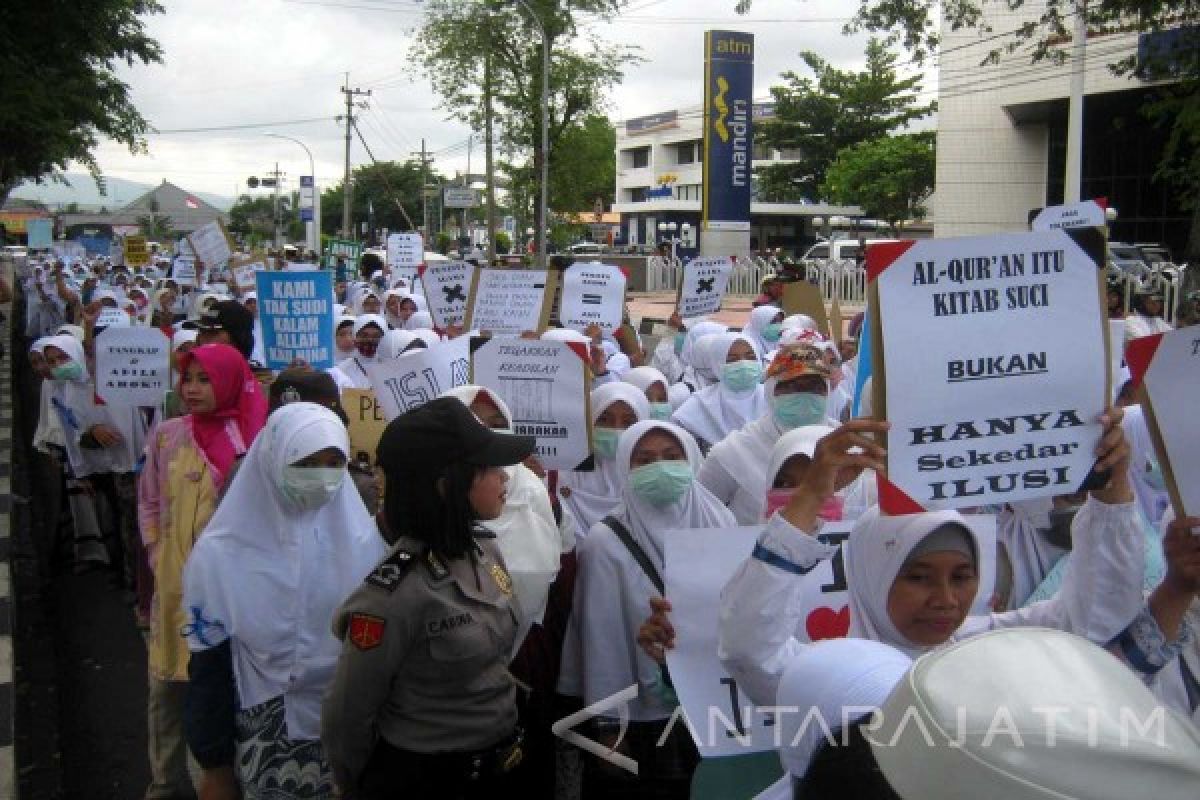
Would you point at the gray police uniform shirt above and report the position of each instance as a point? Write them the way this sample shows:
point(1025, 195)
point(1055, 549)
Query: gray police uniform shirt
point(424, 664)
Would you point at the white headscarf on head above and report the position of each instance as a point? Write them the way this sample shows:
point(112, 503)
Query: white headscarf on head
point(368, 289)
point(394, 320)
point(526, 532)
point(419, 321)
point(394, 343)
point(796, 442)
point(695, 332)
point(258, 548)
point(715, 411)
point(182, 337)
point(429, 337)
point(600, 653)
point(876, 551)
point(352, 372)
point(677, 395)
point(799, 322)
point(565, 335)
point(759, 319)
point(588, 496)
point(645, 377)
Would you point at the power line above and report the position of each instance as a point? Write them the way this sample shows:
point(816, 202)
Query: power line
point(245, 126)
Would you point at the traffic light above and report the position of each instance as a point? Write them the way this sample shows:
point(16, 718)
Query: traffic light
point(252, 182)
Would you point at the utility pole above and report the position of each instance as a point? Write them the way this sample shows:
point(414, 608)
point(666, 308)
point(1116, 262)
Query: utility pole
point(466, 212)
point(425, 159)
point(490, 200)
point(278, 178)
point(1073, 173)
point(346, 190)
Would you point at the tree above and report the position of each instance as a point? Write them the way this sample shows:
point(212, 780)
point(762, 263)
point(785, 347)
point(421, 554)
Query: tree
point(459, 39)
point(253, 217)
point(370, 184)
point(155, 226)
point(818, 116)
point(584, 167)
point(889, 177)
point(61, 93)
point(916, 24)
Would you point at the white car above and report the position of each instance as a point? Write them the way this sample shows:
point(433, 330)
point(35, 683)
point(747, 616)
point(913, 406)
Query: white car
point(586, 249)
point(15, 251)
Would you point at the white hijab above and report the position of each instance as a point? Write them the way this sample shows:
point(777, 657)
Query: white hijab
point(1031, 555)
point(645, 377)
point(716, 411)
point(260, 556)
point(419, 321)
point(393, 344)
point(354, 369)
point(588, 496)
point(759, 319)
point(394, 320)
point(877, 549)
point(526, 532)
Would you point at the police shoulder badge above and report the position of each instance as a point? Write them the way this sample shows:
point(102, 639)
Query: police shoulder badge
point(365, 631)
point(388, 575)
point(502, 579)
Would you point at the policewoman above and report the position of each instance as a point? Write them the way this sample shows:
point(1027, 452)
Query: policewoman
point(422, 703)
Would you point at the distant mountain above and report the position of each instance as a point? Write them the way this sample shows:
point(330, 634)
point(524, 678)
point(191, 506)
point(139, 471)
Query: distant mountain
point(82, 190)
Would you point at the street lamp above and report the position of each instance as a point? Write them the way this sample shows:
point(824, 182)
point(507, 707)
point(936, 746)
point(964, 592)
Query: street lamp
point(545, 171)
point(313, 229)
point(666, 231)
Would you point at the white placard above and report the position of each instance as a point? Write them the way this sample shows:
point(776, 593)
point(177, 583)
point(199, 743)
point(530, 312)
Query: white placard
point(995, 368)
point(544, 385)
point(418, 376)
point(133, 366)
point(184, 271)
point(592, 294)
point(243, 276)
point(301, 266)
point(1170, 368)
point(704, 283)
point(210, 245)
point(405, 250)
point(112, 318)
point(1088, 214)
point(508, 302)
point(447, 286)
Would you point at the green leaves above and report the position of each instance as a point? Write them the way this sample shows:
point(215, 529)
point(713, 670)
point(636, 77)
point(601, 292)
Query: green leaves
point(889, 177)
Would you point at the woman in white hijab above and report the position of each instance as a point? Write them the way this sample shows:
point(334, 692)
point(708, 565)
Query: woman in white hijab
point(682, 346)
point(395, 310)
point(763, 328)
point(419, 321)
point(368, 331)
point(796, 388)
point(527, 534)
point(913, 578)
point(588, 495)
point(737, 398)
point(654, 385)
point(293, 535)
point(394, 343)
point(701, 370)
point(656, 466)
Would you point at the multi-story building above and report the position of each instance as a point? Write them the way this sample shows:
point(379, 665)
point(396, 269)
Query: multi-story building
point(659, 178)
point(1002, 131)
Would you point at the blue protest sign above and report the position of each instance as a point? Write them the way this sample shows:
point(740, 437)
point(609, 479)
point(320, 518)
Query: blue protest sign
point(296, 312)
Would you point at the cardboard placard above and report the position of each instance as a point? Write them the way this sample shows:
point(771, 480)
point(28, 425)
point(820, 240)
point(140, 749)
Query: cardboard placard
point(802, 297)
point(113, 318)
point(546, 387)
point(133, 366)
point(295, 310)
point(592, 294)
point(447, 287)
point(245, 270)
point(418, 376)
point(509, 302)
point(347, 249)
point(1088, 214)
point(1166, 368)
point(835, 320)
point(991, 362)
point(705, 281)
point(405, 250)
point(211, 244)
point(183, 271)
point(366, 423)
point(137, 254)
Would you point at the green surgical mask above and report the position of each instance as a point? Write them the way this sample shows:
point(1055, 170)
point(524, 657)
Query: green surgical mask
point(800, 409)
point(742, 376)
point(660, 411)
point(70, 371)
point(772, 332)
point(661, 483)
point(604, 442)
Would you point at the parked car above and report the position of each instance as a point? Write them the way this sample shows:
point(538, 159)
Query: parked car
point(1155, 253)
point(586, 249)
point(840, 250)
point(1127, 258)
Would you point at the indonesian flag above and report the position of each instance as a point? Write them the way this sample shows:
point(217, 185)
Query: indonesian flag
point(191, 202)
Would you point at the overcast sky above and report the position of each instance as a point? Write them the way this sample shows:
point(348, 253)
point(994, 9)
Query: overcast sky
point(233, 62)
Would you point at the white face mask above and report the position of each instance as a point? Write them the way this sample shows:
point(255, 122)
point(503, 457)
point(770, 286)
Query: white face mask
point(311, 487)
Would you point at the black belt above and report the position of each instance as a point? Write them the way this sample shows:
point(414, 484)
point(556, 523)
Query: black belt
point(499, 759)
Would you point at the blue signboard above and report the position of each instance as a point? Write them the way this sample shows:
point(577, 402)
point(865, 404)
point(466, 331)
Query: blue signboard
point(306, 215)
point(296, 312)
point(728, 143)
point(40, 234)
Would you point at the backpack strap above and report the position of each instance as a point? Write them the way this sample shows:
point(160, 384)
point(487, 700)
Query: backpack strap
point(636, 550)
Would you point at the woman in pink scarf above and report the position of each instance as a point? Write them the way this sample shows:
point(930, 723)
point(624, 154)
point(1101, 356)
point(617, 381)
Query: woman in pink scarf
point(187, 459)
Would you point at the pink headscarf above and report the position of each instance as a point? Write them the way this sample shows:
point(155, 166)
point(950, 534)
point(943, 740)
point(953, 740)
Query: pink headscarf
point(239, 399)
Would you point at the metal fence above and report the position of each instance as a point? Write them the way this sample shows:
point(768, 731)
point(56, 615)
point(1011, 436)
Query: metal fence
point(844, 280)
point(1172, 279)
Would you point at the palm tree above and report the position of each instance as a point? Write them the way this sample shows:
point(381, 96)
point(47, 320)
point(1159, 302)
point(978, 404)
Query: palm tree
point(155, 227)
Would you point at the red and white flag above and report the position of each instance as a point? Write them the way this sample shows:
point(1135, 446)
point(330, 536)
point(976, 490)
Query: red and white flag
point(191, 202)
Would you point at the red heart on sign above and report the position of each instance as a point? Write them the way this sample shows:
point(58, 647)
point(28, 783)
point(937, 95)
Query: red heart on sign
point(825, 623)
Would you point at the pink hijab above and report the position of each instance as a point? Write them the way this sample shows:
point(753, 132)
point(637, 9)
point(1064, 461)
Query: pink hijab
point(240, 405)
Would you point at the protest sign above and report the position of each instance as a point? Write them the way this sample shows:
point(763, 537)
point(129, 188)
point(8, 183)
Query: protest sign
point(991, 364)
point(835, 320)
point(301, 266)
point(447, 284)
point(405, 254)
point(112, 318)
point(508, 302)
point(295, 310)
point(39, 233)
point(592, 294)
point(418, 376)
point(133, 366)
point(183, 270)
point(347, 249)
point(802, 297)
point(545, 385)
point(244, 272)
point(210, 244)
point(366, 423)
point(136, 252)
point(1088, 214)
point(698, 563)
point(1166, 367)
point(703, 287)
